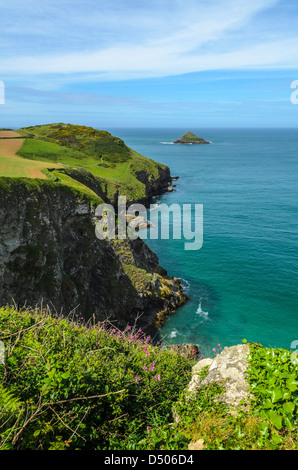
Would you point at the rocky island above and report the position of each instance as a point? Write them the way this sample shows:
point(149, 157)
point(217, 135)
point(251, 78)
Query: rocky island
point(190, 138)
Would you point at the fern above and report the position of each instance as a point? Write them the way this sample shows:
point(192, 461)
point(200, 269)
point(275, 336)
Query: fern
point(8, 402)
point(10, 413)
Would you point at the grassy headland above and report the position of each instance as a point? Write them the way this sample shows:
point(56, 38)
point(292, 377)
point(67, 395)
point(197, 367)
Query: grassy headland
point(115, 166)
point(66, 385)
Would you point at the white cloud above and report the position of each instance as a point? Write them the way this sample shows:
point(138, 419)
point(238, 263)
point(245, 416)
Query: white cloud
point(159, 39)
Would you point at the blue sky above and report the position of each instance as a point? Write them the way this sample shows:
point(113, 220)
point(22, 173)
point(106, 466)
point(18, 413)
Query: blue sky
point(127, 63)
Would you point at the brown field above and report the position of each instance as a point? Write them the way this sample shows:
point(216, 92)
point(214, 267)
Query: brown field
point(13, 165)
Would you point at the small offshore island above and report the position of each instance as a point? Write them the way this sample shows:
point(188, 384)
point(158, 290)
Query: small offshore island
point(190, 138)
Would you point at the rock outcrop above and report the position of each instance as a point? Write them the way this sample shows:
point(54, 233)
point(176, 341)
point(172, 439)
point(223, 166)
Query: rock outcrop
point(190, 138)
point(49, 252)
point(229, 368)
point(188, 351)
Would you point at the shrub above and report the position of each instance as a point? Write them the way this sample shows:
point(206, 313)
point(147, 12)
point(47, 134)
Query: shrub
point(83, 386)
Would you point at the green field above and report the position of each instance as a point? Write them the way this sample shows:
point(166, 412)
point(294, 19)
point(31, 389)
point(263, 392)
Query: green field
point(81, 157)
point(13, 165)
point(18, 168)
point(78, 148)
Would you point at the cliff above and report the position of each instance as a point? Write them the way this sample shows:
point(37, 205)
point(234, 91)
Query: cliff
point(49, 253)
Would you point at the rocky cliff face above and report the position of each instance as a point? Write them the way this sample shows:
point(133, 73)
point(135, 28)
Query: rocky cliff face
point(49, 253)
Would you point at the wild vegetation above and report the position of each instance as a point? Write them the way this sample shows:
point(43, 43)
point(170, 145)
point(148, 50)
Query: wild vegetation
point(12, 183)
point(69, 385)
point(90, 141)
point(75, 147)
point(65, 384)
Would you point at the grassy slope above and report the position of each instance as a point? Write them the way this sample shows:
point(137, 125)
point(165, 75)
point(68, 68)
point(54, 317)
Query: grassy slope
point(13, 165)
point(37, 184)
point(99, 152)
point(65, 385)
point(19, 167)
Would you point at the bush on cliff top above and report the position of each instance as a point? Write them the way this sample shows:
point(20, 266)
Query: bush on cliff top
point(68, 386)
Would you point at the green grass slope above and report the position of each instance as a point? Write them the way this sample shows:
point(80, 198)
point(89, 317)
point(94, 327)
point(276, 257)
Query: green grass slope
point(68, 385)
point(79, 147)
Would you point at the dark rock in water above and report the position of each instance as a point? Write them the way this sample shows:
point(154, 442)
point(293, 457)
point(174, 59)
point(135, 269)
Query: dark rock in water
point(189, 351)
point(190, 138)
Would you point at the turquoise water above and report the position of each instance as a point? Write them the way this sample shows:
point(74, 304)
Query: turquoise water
point(243, 282)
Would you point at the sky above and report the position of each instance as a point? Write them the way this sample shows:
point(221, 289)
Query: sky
point(163, 63)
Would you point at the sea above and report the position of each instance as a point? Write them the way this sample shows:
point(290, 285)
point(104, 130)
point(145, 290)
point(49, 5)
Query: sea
point(242, 283)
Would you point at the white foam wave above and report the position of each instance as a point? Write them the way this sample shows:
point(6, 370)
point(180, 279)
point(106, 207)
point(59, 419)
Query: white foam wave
point(167, 143)
point(185, 284)
point(173, 334)
point(201, 312)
